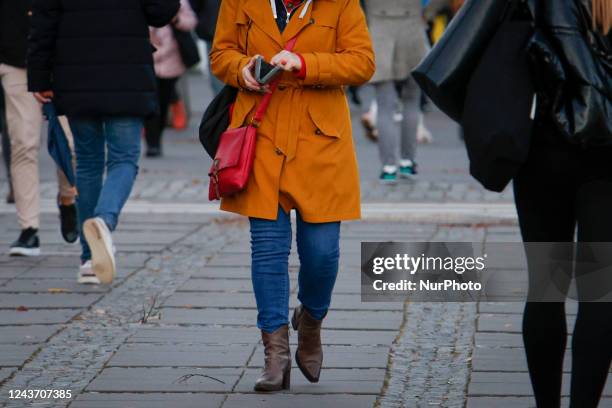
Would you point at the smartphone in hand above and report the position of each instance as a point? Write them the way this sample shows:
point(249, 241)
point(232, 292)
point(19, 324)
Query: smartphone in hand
point(265, 72)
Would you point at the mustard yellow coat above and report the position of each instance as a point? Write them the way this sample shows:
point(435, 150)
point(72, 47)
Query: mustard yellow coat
point(305, 158)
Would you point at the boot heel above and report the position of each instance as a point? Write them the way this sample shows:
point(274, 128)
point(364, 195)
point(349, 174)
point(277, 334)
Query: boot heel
point(287, 379)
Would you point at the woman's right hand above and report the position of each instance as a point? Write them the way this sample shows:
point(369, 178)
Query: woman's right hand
point(249, 78)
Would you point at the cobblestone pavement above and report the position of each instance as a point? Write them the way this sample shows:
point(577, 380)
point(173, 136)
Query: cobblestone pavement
point(177, 327)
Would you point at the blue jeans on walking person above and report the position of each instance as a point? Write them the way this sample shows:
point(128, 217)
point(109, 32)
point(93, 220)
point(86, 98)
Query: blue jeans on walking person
point(111, 144)
point(319, 251)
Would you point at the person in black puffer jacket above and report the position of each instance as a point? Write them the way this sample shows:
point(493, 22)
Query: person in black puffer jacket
point(95, 61)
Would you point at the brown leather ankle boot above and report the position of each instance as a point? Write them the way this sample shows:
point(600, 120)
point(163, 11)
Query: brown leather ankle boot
point(309, 354)
point(276, 374)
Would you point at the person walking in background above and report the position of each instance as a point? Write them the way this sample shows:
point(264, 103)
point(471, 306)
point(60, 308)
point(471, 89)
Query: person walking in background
point(169, 67)
point(305, 158)
point(398, 34)
point(23, 125)
point(208, 11)
point(94, 61)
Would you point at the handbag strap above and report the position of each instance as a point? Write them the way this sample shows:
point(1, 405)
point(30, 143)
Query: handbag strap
point(265, 101)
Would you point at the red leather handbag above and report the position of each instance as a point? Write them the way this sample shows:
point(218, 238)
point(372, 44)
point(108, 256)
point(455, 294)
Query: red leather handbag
point(233, 163)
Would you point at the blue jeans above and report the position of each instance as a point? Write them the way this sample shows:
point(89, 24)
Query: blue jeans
point(107, 143)
point(319, 251)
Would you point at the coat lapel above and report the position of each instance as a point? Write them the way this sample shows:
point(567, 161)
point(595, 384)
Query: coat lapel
point(260, 12)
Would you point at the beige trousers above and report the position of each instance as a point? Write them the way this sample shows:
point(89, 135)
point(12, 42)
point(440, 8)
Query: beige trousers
point(24, 122)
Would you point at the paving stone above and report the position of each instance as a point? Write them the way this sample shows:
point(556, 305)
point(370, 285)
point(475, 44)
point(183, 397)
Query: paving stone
point(51, 285)
point(507, 323)
point(196, 335)
point(31, 334)
point(514, 384)
point(332, 381)
point(36, 316)
point(122, 237)
point(12, 271)
point(364, 320)
point(230, 317)
point(343, 301)
point(341, 357)
point(6, 373)
point(505, 359)
point(152, 400)
point(162, 355)
point(221, 272)
point(298, 401)
point(497, 340)
point(165, 380)
point(15, 355)
point(47, 300)
point(217, 285)
point(211, 299)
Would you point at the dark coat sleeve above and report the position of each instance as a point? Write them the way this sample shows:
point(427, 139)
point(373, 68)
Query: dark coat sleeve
point(160, 12)
point(46, 15)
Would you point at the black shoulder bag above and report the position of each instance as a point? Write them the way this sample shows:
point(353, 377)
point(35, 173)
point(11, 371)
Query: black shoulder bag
point(499, 107)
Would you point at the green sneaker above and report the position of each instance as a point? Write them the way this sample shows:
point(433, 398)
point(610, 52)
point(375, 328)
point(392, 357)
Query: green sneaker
point(387, 177)
point(408, 169)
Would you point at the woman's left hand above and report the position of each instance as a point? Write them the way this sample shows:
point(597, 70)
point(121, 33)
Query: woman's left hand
point(287, 60)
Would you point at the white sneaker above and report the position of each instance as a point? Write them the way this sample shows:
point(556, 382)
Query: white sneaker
point(87, 275)
point(424, 135)
point(100, 242)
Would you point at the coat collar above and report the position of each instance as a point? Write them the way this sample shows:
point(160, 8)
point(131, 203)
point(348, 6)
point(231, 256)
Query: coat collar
point(260, 13)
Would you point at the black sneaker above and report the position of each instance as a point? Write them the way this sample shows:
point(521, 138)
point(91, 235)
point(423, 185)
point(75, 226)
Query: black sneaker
point(153, 152)
point(28, 244)
point(69, 224)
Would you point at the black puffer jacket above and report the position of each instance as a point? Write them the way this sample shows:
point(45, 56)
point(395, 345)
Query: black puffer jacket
point(14, 28)
point(573, 66)
point(96, 55)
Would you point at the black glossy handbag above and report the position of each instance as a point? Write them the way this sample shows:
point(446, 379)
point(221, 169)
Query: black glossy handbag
point(216, 119)
point(444, 73)
point(188, 47)
point(500, 102)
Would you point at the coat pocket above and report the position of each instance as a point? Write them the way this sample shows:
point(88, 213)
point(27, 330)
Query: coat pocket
point(322, 121)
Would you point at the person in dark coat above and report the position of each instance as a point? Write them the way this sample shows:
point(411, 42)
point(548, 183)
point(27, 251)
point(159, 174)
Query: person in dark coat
point(94, 59)
point(563, 194)
point(20, 126)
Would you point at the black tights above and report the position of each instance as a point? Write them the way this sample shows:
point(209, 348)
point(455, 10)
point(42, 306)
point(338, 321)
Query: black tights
point(559, 188)
point(155, 125)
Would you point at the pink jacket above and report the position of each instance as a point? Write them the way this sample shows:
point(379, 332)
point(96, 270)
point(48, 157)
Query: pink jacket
point(167, 58)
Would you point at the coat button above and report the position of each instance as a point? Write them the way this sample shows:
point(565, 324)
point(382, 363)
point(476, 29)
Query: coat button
point(318, 132)
point(278, 151)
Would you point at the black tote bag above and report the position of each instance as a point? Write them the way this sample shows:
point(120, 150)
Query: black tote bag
point(499, 106)
point(444, 73)
point(216, 119)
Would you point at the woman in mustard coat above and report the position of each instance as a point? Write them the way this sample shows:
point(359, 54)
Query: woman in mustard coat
point(305, 158)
